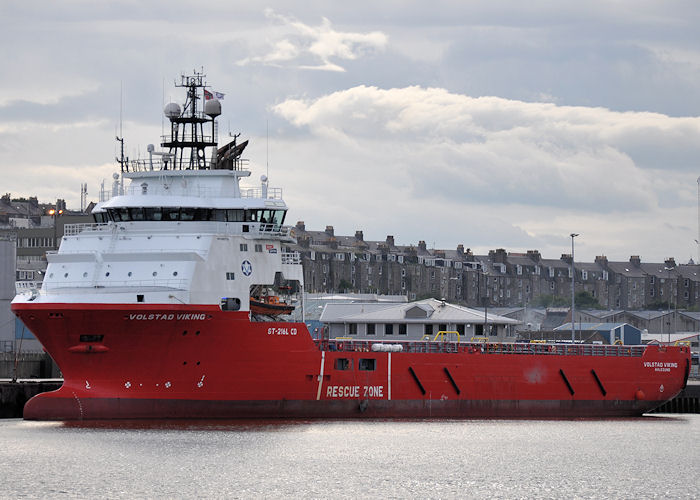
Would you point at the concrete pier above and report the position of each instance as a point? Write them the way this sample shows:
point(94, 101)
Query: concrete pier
point(688, 401)
point(13, 395)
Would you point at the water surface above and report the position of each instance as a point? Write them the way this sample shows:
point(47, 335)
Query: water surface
point(649, 457)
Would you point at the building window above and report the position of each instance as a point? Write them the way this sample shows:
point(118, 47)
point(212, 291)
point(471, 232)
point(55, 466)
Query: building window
point(519, 269)
point(584, 275)
point(651, 280)
point(402, 328)
point(388, 329)
point(686, 282)
point(244, 247)
point(551, 285)
point(371, 328)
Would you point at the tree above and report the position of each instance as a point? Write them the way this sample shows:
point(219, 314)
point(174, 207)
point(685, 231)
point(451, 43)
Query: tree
point(344, 285)
point(585, 300)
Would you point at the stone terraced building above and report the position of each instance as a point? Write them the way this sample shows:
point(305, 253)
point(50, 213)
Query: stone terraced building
point(335, 263)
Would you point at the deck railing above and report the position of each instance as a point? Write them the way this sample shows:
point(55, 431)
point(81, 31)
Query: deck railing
point(230, 228)
point(485, 348)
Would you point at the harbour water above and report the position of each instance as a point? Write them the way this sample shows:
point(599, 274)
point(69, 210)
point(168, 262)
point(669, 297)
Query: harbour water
point(650, 457)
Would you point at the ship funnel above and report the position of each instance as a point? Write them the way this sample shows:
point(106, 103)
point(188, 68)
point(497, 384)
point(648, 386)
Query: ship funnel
point(172, 110)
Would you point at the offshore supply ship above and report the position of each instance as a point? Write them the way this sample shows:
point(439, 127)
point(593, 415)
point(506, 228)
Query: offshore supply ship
point(164, 307)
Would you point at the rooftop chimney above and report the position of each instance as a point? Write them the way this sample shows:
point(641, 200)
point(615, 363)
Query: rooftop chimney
point(534, 255)
point(329, 230)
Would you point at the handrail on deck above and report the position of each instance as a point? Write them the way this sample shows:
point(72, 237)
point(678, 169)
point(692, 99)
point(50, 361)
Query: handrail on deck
point(442, 333)
point(425, 346)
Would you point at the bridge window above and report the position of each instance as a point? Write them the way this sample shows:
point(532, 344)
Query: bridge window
point(124, 214)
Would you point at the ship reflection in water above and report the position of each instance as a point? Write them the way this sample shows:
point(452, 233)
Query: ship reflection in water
point(636, 457)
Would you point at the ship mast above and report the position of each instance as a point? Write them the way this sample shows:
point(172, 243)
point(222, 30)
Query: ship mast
point(188, 140)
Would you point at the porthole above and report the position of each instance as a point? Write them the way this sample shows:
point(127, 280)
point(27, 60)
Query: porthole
point(155, 273)
point(51, 275)
point(84, 275)
point(174, 273)
point(65, 275)
point(107, 274)
point(129, 274)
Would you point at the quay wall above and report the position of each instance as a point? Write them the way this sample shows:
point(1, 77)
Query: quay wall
point(13, 395)
point(688, 401)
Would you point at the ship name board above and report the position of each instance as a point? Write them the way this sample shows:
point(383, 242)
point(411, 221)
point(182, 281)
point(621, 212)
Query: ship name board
point(355, 391)
point(660, 366)
point(168, 317)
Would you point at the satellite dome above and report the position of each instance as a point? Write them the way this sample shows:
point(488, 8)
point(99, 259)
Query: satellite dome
point(172, 110)
point(212, 107)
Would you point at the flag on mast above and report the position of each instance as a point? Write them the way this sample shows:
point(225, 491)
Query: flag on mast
point(213, 95)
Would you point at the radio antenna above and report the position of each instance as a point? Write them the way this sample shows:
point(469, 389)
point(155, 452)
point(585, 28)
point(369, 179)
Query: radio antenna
point(267, 146)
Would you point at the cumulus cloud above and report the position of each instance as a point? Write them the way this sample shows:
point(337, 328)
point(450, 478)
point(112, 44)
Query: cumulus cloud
point(498, 150)
point(315, 47)
point(529, 170)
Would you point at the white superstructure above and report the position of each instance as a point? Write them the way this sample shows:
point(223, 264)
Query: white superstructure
point(182, 230)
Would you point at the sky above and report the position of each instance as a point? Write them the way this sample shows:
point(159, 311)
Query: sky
point(492, 124)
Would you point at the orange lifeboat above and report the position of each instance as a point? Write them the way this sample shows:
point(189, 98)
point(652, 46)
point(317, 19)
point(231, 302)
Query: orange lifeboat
point(270, 305)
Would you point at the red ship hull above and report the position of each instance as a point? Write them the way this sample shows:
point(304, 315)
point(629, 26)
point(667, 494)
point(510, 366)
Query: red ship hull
point(145, 361)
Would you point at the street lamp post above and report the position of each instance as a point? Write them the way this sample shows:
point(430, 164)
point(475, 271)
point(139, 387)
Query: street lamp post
point(668, 270)
point(55, 212)
point(573, 293)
